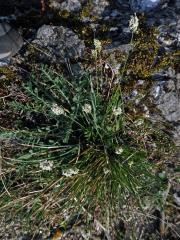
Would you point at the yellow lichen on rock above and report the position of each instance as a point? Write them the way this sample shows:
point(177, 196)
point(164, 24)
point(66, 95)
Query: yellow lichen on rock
point(141, 60)
point(6, 74)
point(64, 13)
point(144, 60)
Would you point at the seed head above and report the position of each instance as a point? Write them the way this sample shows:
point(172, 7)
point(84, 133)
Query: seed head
point(87, 108)
point(57, 110)
point(94, 53)
point(134, 23)
point(117, 111)
point(46, 165)
point(119, 150)
point(97, 45)
point(69, 172)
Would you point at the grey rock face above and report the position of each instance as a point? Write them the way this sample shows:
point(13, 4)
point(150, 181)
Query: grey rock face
point(68, 5)
point(145, 5)
point(89, 10)
point(10, 41)
point(4, 28)
point(173, 32)
point(166, 96)
point(59, 43)
point(96, 10)
point(8, 7)
point(142, 5)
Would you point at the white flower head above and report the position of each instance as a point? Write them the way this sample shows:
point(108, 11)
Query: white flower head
point(134, 23)
point(87, 108)
point(131, 163)
point(94, 53)
point(117, 111)
point(139, 122)
point(97, 45)
point(106, 171)
point(119, 150)
point(46, 165)
point(69, 172)
point(57, 110)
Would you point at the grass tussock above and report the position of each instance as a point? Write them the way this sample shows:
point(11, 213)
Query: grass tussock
point(75, 148)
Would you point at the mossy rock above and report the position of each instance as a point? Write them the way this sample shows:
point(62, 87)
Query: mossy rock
point(145, 59)
point(7, 74)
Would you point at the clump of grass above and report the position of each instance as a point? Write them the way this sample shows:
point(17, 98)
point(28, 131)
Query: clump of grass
point(76, 149)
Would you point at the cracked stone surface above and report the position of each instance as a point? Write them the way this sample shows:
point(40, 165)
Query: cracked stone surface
point(166, 95)
point(59, 42)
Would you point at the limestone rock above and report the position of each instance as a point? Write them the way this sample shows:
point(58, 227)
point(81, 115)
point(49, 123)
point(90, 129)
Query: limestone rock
point(145, 5)
point(87, 11)
point(10, 41)
point(69, 6)
point(166, 96)
point(59, 43)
